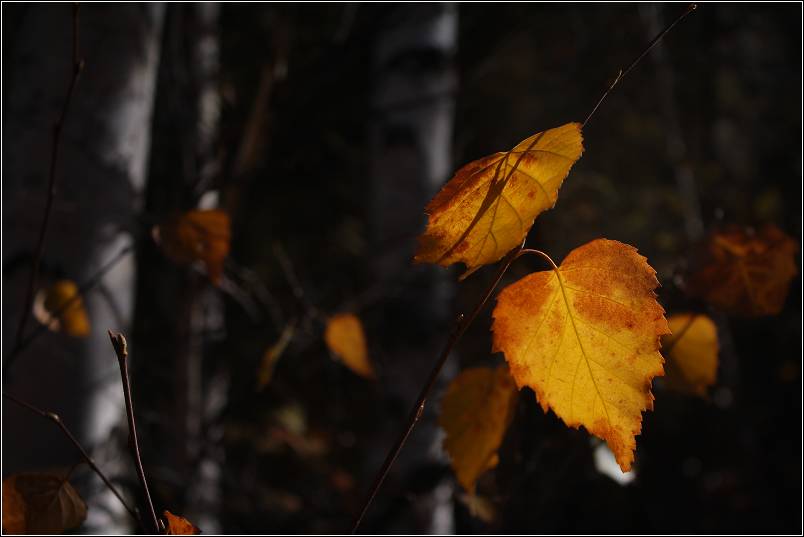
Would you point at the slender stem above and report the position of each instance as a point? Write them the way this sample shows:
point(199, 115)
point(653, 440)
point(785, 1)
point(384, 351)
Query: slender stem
point(539, 253)
point(91, 463)
point(121, 349)
point(78, 67)
point(461, 324)
point(82, 291)
point(624, 72)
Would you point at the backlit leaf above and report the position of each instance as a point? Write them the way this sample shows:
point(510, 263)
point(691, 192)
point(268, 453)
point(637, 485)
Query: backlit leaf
point(345, 338)
point(199, 235)
point(60, 308)
point(490, 204)
point(585, 338)
point(744, 273)
point(41, 503)
point(178, 525)
point(475, 413)
point(691, 353)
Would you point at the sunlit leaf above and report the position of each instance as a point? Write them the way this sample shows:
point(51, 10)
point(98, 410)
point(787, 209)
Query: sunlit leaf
point(199, 235)
point(585, 338)
point(60, 308)
point(745, 273)
point(41, 503)
point(691, 353)
point(475, 413)
point(490, 204)
point(345, 338)
point(178, 525)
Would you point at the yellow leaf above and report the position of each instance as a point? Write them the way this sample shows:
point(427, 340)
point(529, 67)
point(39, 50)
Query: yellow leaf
point(60, 308)
point(41, 503)
point(272, 355)
point(744, 273)
point(479, 507)
point(345, 338)
point(691, 353)
point(585, 338)
point(178, 525)
point(200, 235)
point(475, 413)
point(490, 204)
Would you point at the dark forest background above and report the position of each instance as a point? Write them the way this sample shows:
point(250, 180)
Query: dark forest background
point(324, 129)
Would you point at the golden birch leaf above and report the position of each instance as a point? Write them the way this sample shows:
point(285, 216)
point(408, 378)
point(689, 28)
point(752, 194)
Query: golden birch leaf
point(744, 273)
point(585, 338)
point(691, 353)
point(199, 235)
point(345, 338)
point(475, 413)
point(41, 503)
point(178, 525)
point(60, 308)
point(490, 204)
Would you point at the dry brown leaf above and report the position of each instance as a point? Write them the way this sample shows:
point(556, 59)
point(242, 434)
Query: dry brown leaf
point(691, 353)
point(475, 413)
point(745, 273)
point(178, 525)
point(345, 338)
point(61, 309)
point(41, 503)
point(585, 338)
point(490, 204)
point(199, 235)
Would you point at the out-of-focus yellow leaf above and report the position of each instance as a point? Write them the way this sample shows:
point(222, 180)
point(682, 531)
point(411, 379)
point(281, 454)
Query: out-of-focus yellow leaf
point(345, 338)
point(475, 413)
point(490, 204)
point(585, 338)
point(60, 308)
point(41, 503)
point(479, 507)
point(744, 273)
point(272, 355)
point(691, 353)
point(199, 235)
point(178, 525)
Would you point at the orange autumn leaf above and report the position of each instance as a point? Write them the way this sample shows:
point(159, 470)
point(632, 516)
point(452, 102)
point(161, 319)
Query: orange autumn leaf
point(475, 413)
point(490, 204)
point(178, 525)
point(60, 308)
point(691, 353)
point(744, 273)
point(345, 338)
point(41, 503)
point(585, 338)
point(199, 235)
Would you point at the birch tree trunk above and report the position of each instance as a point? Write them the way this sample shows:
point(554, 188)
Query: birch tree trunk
point(100, 178)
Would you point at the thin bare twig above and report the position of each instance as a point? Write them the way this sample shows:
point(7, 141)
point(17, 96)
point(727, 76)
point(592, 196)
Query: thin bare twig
point(78, 67)
point(623, 72)
point(91, 463)
point(461, 324)
point(121, 349)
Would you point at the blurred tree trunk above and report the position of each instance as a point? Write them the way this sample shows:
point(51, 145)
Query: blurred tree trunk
point(100, 178)
point(410, 136)
point(176, 306)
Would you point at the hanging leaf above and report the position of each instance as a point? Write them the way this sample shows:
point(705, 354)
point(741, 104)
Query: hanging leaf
point(272, 355)
point(745, 273)
point(691, 353)
point(490, 204)
point(60, 308)
point(200, 235)
point(345, 338)
point(178, 525)
point(475, 413)
point(585, 338)
point(41, 503)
